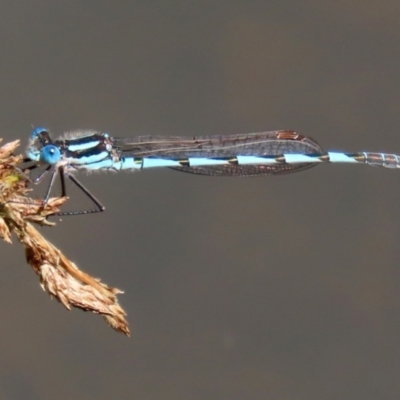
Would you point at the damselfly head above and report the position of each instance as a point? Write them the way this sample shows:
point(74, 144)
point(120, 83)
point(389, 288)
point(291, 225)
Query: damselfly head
point(37, 132)
point(41, 135)
point(39, 139)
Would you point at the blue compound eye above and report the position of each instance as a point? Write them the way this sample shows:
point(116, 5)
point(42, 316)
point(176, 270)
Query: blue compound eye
point(50, 154)
point(37, 132)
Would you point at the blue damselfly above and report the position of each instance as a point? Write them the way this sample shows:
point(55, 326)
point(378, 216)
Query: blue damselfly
point(255, 154)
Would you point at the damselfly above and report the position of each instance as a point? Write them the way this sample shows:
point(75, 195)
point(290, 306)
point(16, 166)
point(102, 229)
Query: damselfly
point(255, 154)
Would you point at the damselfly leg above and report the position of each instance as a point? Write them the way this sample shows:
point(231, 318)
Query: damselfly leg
point(54, 171)
point(100, 207)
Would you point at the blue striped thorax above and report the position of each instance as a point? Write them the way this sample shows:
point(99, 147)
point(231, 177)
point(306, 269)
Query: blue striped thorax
point(87, 148)
point(82, 141)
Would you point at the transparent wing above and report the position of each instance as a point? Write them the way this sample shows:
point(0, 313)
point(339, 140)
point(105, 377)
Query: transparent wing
point(255, 144)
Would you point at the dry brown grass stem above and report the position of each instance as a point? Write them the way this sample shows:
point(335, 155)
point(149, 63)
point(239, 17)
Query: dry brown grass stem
point(58, 276)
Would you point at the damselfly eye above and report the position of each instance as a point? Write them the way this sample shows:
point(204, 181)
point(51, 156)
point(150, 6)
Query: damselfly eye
point(37, 132)
point(50, 154)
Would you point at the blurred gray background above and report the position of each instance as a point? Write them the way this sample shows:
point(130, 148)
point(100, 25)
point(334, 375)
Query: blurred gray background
point(270, 288)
